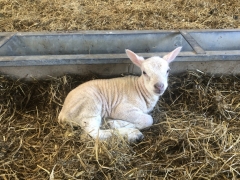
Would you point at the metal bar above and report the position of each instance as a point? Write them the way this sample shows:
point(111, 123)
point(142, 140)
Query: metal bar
point(192, 42)
point(94, 59)
point(6, 39)
point(95, 32)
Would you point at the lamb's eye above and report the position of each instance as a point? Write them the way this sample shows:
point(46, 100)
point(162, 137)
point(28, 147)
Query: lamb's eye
point(144, 73)
point(168, 71)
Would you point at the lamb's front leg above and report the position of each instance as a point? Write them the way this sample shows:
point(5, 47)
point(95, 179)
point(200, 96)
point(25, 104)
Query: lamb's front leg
point(91, 125)
point(132, 134)
point(126, 129)
point(132, 118)
point(116, 124)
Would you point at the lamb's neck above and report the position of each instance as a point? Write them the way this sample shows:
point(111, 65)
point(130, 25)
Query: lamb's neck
point(150, 97)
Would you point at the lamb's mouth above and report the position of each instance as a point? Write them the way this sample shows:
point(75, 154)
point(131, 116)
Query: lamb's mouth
point(158, 91)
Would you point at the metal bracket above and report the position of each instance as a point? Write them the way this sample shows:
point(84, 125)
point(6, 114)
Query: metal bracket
point(6, 39)
point(192, 42)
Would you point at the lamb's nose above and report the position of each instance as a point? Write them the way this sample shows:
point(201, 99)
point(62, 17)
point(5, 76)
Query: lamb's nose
point(159, 86)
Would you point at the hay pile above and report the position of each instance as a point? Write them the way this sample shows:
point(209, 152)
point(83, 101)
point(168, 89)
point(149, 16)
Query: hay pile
point(72, 15)
point(195, 136)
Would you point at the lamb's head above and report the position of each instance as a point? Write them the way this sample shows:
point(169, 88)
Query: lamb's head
point(154, 70)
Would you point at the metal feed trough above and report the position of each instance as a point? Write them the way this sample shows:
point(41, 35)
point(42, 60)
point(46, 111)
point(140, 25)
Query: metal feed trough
point(38, 55)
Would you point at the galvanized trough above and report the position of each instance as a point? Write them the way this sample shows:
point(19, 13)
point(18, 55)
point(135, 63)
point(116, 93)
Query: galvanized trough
point(38, 55)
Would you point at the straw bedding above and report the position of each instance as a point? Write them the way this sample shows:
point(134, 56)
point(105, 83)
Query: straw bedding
point(196, 129)
point(71, 15)
point(195, 135)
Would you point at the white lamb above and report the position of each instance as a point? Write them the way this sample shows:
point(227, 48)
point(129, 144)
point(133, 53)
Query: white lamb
point(124, 101)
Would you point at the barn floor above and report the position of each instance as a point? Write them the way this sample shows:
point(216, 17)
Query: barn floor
point(195, 135)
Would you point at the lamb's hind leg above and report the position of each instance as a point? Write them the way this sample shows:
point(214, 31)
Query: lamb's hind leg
point(84, 110)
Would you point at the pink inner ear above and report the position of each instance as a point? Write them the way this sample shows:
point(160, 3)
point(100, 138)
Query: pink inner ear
point(172, 55)
point(137, 60)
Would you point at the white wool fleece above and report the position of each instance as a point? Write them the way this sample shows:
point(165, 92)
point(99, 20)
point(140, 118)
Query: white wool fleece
point(125, 101)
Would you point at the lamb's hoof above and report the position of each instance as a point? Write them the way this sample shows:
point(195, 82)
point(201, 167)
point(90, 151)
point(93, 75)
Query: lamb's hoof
point(135, 136)
point(139, 138)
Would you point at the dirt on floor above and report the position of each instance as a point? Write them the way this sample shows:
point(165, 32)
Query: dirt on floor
point(72, 15)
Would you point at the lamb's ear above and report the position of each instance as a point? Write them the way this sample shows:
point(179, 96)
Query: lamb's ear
point(137, 60)
point(172, 55)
